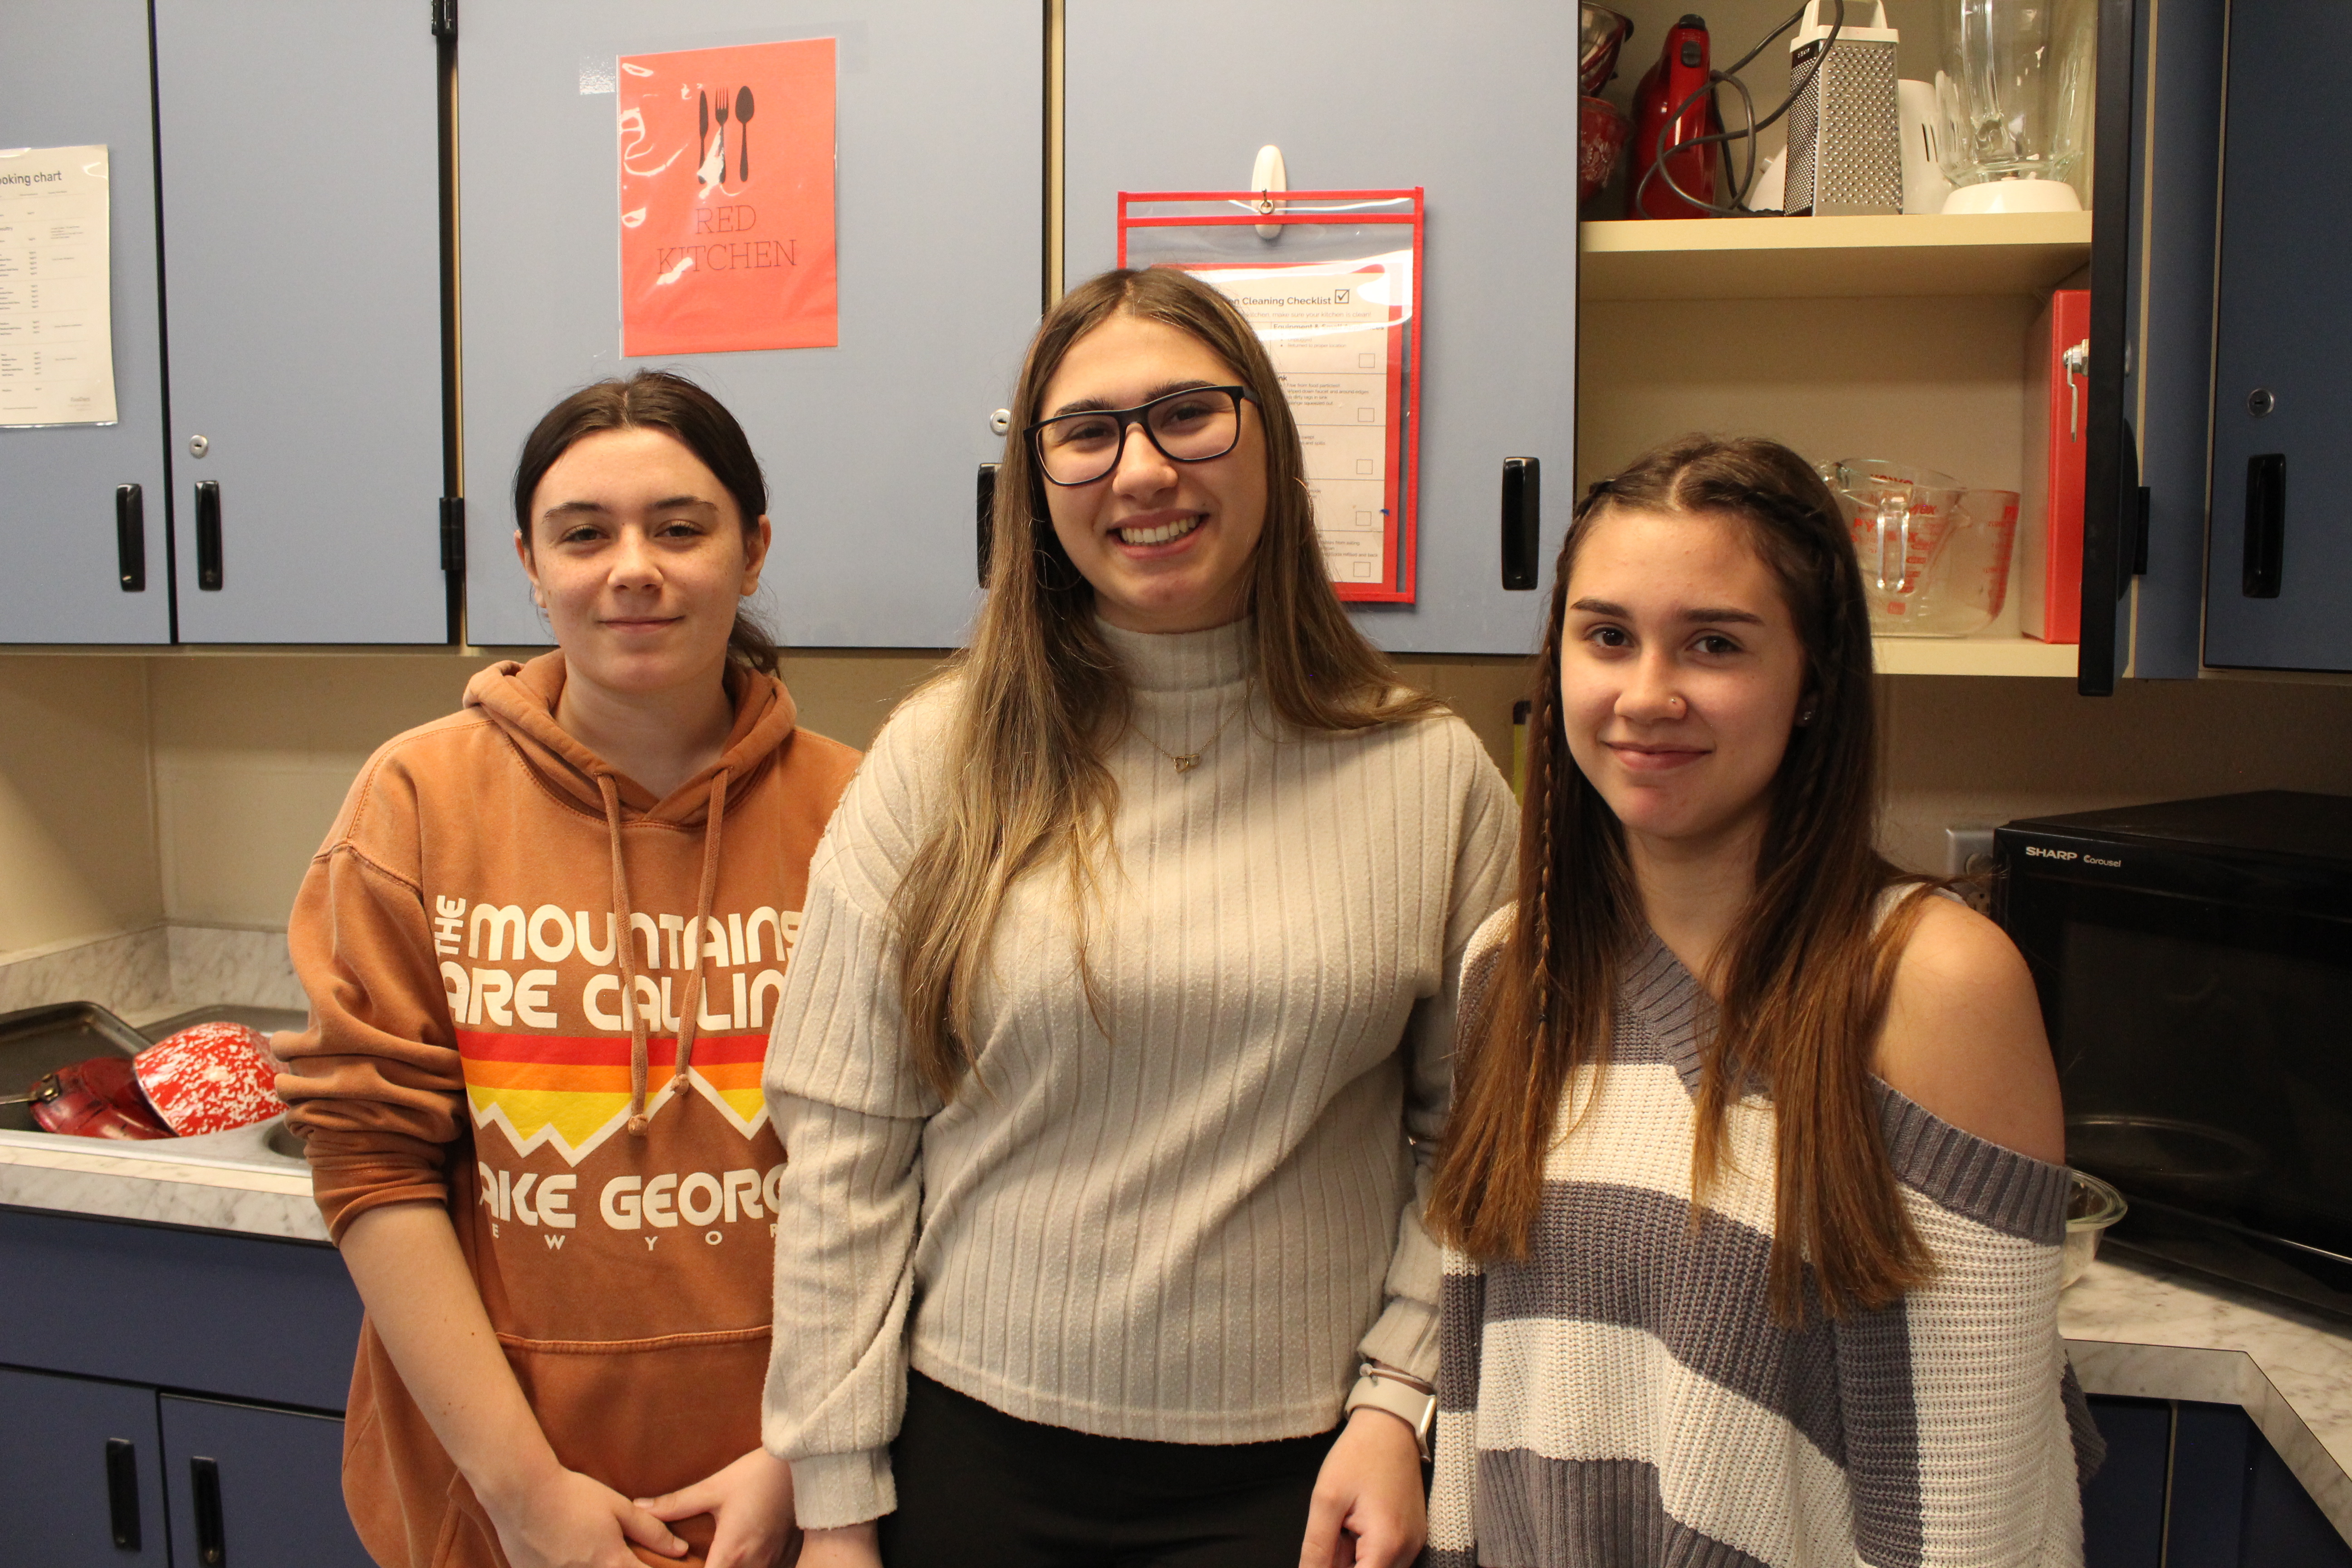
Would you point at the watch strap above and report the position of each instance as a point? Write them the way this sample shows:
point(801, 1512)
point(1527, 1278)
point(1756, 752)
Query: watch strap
point(1410, 1405)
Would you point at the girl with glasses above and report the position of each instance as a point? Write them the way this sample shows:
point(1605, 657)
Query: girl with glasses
point(1117, 1031)
point(1753, 1191)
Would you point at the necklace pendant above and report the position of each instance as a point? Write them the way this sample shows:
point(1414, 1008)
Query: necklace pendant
point(1187, 762)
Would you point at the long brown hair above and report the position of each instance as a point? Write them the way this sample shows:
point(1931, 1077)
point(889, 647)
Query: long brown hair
point(664, 401)
point(1808, 964)
point(1041, 694)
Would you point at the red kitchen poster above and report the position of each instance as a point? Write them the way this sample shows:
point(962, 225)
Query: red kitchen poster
point(727, 231)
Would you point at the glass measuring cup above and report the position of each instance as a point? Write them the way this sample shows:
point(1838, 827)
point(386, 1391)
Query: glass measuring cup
point(1934, 550)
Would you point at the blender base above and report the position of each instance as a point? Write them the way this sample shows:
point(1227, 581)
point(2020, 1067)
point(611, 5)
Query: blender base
point(2025, 195)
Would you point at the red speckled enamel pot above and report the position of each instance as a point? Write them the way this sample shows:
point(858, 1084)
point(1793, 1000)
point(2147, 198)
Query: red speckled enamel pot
point(210, 1078)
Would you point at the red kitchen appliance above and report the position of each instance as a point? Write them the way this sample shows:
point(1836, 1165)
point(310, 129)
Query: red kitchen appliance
point(1681, 70)
point(2057, 401)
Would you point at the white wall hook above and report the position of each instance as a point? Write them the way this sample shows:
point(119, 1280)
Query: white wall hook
point(1267, 177)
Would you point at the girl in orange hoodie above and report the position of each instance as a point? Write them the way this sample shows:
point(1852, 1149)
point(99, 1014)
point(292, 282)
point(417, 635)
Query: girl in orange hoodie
point(539, 999)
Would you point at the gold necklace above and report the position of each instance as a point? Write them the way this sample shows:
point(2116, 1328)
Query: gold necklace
point(1187, 760)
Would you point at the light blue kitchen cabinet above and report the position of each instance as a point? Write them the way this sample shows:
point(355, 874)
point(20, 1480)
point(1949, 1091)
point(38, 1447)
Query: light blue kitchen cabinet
point(83, 1462)
point(257, 1487)
point(1473, 102)
point(80, 562)
point(873, 448)
point(301, 202)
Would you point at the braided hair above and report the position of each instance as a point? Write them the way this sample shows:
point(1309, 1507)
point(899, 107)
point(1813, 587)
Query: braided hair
point(1808, 965)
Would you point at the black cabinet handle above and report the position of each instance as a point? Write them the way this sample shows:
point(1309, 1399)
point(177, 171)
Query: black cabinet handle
point(130, 537)
point(209, 535)
point(122, 1480)
point(204, 1488)
point(1522, 522)
point(984, 509)
point(2265, 525)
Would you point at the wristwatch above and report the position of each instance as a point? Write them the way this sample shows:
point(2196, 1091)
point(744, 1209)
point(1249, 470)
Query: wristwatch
point(1402, 1394)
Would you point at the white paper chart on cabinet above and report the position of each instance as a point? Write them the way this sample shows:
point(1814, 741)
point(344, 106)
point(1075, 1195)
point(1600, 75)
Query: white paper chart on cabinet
point(56, 335)
point(1331, 331)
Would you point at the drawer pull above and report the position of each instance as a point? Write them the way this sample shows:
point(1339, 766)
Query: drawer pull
point(204, 1488)
point(130, 537)
point(122, 1492)
point(2265, 525)
point(986, 507)
point(209, 535)
point(1522, 522)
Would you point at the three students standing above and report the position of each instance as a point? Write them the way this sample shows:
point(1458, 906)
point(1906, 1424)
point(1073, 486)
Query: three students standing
point(1114, 1054)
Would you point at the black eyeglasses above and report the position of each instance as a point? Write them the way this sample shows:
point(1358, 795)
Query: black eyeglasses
point(1188, 426)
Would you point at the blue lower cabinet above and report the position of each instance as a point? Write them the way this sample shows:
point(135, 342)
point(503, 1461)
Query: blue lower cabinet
point(2122, 1507)
point(82, 1462)
point(255, 1488)
point(2189, 1485)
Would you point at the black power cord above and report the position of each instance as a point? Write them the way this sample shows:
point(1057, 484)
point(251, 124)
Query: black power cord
point(1738, 206)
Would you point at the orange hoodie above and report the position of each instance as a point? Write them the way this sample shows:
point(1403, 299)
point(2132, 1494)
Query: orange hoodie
point(472, 933)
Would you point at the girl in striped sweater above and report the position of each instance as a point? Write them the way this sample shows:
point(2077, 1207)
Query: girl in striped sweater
point(1753, 1191)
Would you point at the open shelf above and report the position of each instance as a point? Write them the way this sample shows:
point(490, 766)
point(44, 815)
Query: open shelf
point(1830, 258)
point(1985, 655)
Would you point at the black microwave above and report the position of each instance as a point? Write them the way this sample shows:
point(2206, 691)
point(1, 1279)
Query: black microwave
point(2194, 961)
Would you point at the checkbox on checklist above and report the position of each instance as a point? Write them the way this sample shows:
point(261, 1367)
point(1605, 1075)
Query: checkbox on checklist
point(1363, 415)
point(1367, 361)
point(1364, 465)
point(1366, 521)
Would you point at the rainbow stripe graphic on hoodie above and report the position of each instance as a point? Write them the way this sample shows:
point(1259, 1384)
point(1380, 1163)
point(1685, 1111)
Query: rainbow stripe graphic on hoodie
point(572, 1093)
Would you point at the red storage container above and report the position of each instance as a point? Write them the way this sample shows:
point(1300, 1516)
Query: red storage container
point(2049, 525)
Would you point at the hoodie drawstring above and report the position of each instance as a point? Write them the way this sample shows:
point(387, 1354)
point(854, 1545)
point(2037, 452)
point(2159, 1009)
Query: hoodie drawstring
point(691, 1008)
point(626, 918)
point(690, 1011)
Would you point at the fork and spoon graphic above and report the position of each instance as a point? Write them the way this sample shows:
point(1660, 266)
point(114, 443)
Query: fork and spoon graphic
point(743, 107)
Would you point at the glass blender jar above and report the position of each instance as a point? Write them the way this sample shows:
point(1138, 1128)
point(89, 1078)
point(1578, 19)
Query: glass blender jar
point(2007, 147)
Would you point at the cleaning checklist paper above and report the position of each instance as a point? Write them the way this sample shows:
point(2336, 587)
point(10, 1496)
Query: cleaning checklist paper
point(57, 338)
point(1329, 331)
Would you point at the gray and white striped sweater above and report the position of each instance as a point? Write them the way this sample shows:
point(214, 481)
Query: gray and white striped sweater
point(1623, 1396)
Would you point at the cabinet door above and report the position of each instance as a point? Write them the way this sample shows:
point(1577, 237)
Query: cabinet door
point(1477, 102)
point(71, 76)
point(872, 449)
point(83, 1463)
point(302, 241)
point(2278, 591)
point(257, 1487)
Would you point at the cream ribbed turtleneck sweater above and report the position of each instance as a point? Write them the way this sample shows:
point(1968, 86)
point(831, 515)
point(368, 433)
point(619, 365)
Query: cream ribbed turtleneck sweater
point(1186, 1222)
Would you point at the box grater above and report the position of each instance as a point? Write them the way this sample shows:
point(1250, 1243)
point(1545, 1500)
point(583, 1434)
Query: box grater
point(1846, 136)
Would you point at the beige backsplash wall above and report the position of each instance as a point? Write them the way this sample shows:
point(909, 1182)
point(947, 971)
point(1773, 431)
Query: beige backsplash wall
point(195, 788)
point(78, 843)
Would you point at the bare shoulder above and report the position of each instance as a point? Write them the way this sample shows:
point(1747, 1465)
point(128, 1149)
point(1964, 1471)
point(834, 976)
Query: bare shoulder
point(1963, 1036)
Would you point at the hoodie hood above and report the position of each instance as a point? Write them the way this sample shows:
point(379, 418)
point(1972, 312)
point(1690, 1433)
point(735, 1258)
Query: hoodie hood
point(521, 699)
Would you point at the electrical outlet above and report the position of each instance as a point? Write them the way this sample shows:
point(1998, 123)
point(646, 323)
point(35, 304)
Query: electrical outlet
point(1968, 851)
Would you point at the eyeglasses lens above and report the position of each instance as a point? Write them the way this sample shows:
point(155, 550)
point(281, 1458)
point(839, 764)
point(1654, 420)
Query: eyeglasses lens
point(1189, 426)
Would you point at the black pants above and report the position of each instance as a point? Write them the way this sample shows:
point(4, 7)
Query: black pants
point(979, 1488)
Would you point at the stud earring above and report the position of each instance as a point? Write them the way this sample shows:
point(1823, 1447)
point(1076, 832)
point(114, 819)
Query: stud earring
point(1804, 715)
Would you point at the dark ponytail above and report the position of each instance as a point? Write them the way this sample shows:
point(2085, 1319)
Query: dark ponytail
point(664, 401)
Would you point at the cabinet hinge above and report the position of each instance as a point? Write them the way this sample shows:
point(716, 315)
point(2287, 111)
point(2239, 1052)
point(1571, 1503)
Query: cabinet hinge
point(453, 533)
point(445, 18)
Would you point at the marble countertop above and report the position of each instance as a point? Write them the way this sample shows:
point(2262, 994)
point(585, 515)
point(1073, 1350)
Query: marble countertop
point(224, 1181)
point(2134, 1328)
